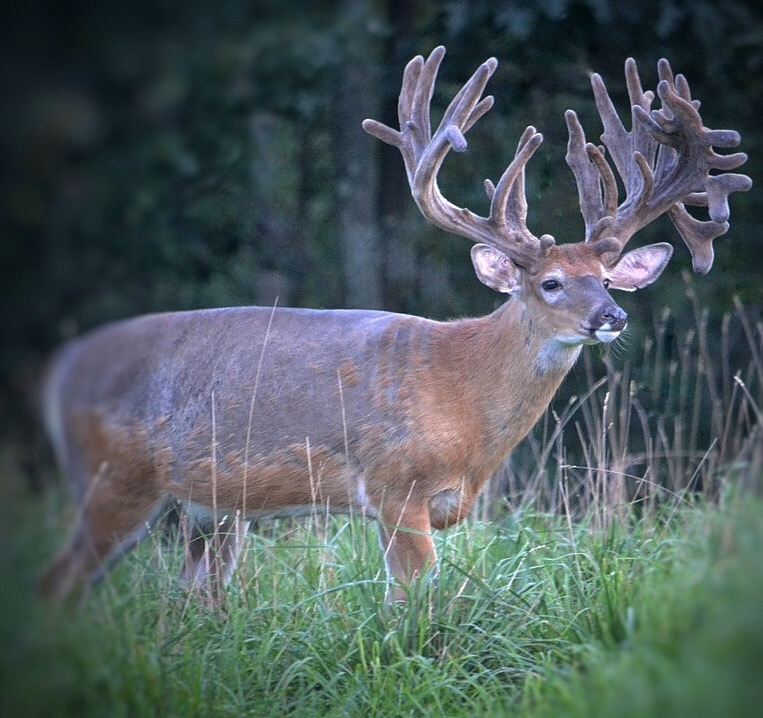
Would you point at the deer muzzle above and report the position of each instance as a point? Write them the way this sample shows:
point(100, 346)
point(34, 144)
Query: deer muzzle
point(608, 322)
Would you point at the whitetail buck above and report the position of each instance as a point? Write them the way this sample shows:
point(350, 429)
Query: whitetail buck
point(262, 411)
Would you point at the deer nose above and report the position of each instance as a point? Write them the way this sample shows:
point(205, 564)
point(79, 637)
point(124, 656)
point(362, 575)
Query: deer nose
point(613, 317)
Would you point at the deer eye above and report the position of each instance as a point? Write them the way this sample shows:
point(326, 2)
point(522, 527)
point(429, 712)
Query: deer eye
point(607, 282)
point(550, 285)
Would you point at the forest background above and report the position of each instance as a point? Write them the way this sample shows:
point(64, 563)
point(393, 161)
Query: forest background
point(159, 156)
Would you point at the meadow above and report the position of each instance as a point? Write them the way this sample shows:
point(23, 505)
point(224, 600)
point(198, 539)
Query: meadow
point(613, 569)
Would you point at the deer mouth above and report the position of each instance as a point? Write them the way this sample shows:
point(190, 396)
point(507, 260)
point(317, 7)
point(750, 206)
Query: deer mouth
point(606, 333)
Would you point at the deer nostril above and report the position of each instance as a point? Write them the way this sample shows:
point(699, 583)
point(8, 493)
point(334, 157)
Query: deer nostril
point(614, 316)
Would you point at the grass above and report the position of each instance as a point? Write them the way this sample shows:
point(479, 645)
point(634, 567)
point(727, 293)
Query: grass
point(625, 581)
point(656, 616)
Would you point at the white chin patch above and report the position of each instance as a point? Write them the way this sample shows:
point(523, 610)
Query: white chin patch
point(606, 335)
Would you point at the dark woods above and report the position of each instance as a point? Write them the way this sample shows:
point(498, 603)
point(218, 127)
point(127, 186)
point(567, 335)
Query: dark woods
point(160, 156)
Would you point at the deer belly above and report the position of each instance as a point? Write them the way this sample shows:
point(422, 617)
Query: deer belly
point(290, 482)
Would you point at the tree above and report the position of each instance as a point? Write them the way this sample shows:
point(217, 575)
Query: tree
point(357, 177)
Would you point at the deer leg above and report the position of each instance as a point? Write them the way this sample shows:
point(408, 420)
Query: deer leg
point(211, 554)
point(70, 568)
point(406, 539)
point(103, 535)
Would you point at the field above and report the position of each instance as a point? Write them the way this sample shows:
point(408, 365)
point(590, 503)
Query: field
point(623, 577)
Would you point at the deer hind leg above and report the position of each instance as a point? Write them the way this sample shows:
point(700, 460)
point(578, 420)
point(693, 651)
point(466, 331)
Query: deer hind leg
point(406, 539)
point(113, 520)
point(211, 552)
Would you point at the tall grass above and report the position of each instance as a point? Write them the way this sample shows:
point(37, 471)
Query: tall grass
point(621, 576)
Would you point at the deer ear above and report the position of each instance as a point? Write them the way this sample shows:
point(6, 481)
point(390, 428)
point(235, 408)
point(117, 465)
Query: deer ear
point(639, 268)
point(495, 269)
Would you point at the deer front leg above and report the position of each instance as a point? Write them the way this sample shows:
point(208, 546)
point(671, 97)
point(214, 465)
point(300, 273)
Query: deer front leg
point(406, 539)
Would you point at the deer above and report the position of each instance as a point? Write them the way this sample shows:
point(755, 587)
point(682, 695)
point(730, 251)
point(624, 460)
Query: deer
point(249, 412)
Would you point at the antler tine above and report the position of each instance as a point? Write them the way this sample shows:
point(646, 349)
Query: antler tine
point(508, 202)
point(423, 154)
point(597, 188)
point(664, 162)
point(511, 186)
point(415, 135)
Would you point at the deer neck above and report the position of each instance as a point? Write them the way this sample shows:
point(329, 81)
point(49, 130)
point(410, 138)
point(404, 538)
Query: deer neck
point(506, 367)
